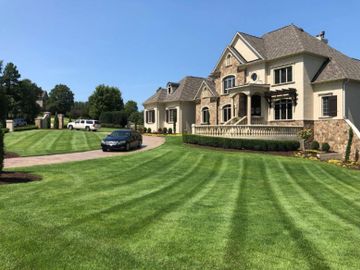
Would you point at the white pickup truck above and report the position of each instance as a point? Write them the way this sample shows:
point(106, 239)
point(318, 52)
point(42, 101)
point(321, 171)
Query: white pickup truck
point(84, 124)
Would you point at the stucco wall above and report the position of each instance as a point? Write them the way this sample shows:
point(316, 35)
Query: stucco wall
point(312, 64)
point(352, 101)
point(323, 89)
point(188, 116)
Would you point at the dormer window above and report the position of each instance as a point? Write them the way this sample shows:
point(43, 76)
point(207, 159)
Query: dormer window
point(228, 60)
point(169, 89)
point(228, 82)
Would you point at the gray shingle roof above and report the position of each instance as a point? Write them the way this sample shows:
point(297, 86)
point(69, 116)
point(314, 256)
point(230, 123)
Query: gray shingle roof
point(291, 40)
point(186, 91)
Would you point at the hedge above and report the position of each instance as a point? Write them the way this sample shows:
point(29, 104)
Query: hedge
point(242, 144)
point(118, 118)
point(29, 127)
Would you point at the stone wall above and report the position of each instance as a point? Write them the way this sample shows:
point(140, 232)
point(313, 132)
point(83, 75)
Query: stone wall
point(211, 103)
point(336, 134)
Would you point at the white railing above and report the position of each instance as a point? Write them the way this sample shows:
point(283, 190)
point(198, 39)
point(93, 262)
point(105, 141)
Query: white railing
point(245, 131)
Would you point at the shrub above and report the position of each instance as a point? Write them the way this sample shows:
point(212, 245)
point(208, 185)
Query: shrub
point(348, 146)
point(356, 155)
point(243, 144)
point(48, 122)
point(5, 130)
point(149, 130)
point(160, 130)
point(165, 130)
point(2, 151)
point(56, 121)
point(315, 145)
point(118, 118)
point(305, 134)
point(325, 147)
point(170, 131)
point(29, 127)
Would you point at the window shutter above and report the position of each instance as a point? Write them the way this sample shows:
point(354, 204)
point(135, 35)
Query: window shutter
point(147, 117)
point(167, 116)
point(333, 106)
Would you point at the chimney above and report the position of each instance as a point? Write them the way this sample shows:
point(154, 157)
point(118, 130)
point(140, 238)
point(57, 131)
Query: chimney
point(321, 37)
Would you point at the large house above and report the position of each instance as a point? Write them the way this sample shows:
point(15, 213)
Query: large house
point(277, 84)
point(173, 105)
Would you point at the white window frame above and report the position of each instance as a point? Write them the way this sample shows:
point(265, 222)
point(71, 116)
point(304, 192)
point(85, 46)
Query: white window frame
point(226, 91)
point(227, 107)
point(202, 115)
point(280, 69)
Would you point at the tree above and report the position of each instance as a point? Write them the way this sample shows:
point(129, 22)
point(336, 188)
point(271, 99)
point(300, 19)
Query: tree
point(105, 99)
point(61, 99)
point(10, 85)
point(29, 92)
point(3, 99)
point(2, 153)
point(130, 107)
point(56, 121)
point(79, 109)
point(137, 118)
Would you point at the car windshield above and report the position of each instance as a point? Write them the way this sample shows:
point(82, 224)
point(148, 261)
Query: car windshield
point(120, 133)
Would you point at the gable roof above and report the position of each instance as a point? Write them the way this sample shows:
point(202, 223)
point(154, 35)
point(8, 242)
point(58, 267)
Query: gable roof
point(291, 40)
point(210, 85)
point(186, 91)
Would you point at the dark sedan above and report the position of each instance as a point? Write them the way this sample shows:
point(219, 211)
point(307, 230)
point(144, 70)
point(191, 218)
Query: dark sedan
point(124, 139)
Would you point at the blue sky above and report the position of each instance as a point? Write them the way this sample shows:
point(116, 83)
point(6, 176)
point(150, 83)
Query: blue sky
point(140, 45)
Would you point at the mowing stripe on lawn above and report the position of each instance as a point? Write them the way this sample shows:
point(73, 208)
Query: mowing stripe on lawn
point(313, 256)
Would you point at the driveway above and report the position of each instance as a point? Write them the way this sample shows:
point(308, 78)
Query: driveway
point(149, 142)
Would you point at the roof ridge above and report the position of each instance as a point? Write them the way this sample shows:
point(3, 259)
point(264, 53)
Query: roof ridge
point(250, 35)
point(278, 29)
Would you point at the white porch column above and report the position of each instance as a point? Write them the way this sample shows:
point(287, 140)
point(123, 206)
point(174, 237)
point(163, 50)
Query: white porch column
point(248, 109)
point(233, 107)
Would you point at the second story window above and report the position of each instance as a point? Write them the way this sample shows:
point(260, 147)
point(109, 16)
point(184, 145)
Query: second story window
point(228, 82)
point(150, 116)
point(283, 75)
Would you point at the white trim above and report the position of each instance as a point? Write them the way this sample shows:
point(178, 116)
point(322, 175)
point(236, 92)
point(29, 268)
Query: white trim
point(222, 56)
point(354, 128)
point(222, 83)
point(249, 45)
point(222, 112)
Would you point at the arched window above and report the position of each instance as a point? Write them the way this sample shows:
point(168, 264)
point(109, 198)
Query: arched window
point(226, 113)
point(256, 105)
point(228, 60)
point(205, 115)
point(228, 82)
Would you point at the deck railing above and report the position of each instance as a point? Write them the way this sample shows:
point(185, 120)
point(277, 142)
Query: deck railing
point(248, 131)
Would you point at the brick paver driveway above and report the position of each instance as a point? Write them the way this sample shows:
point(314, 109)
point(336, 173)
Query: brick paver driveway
point(149, 142)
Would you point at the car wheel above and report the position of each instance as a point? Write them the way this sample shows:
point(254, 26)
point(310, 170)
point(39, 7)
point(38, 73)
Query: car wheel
point(104, 150)
point(71, 127)
point(87, 128)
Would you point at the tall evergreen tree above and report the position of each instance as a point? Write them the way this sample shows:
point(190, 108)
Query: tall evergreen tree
point(2, 151)
point(10, 84)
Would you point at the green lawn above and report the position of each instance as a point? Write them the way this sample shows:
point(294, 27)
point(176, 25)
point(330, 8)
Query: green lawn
point(180, 207)
point(44, 142)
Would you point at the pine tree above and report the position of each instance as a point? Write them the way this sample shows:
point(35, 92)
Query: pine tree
point(56, 121)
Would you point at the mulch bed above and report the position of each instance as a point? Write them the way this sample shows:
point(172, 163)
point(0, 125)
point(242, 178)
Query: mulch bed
point(11, 155)
point(17, 177)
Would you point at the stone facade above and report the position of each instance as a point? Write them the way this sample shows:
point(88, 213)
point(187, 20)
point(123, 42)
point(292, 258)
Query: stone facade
point(336, 134)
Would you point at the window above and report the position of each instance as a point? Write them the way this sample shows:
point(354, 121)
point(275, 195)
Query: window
point(150, 116)
point(171, 115)
point(82, 122)
point(329, 106)
point(228, 60)
point(205, 116)
point(283, 75)
point(256, 105)
point(169, 89)
point(254, 77)
point(228, 82)
point(89, 122)
point(284, 109)
point(226, 113)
